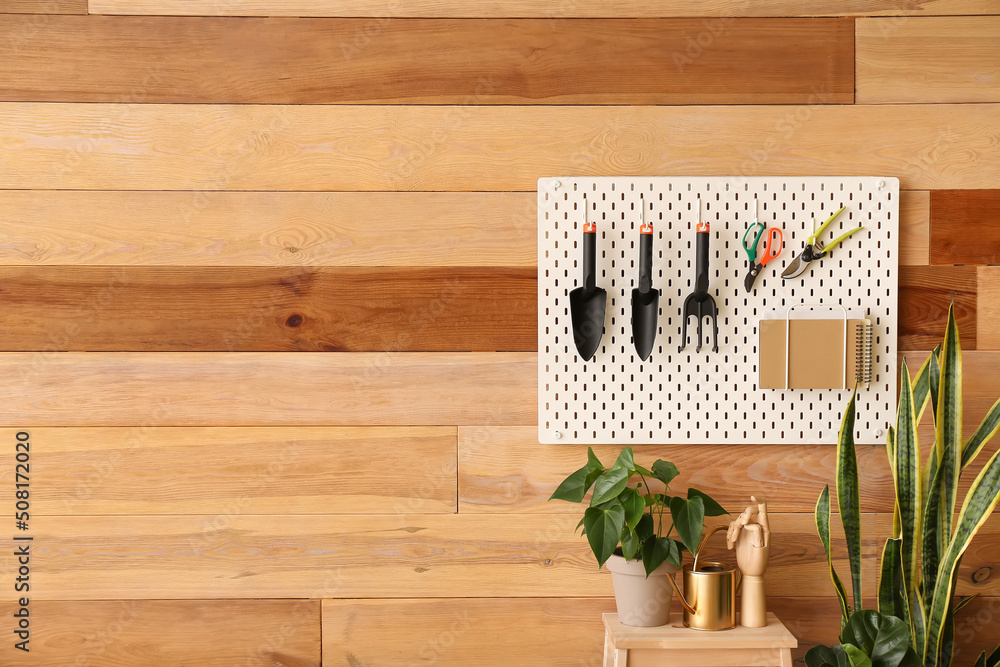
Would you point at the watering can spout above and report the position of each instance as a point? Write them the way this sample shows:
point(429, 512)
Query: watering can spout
point(680, 596)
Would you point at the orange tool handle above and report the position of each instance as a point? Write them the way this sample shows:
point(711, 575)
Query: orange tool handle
point(775, 242)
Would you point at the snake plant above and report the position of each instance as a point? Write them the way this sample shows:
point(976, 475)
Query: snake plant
point(920, 561)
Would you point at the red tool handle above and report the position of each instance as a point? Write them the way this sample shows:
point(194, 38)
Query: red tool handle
point(589, 256)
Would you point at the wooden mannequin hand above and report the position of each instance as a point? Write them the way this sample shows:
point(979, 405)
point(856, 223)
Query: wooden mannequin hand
point(750, 534)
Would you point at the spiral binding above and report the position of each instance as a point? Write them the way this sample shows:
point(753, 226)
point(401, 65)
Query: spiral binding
point(863, 356)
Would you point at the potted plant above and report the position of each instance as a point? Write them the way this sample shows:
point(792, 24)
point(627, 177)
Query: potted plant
point(624, 524)
point(915, 621)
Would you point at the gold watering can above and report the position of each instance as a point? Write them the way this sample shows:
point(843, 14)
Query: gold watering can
point(710, 589)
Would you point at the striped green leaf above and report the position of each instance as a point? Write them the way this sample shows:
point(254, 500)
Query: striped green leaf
point(976, 508)
point(949, 420)
point(932, 541)
point(891, 600)
point(849, 497)
point(932, 454)
point(929, 473)
point(823, 528)
point(964, 602)
point(992, 661)
point(947, 645)
point(906, 475)
point(921, 387)
point(890, 446)
point(987, 429)
point(918, 621)
point(934, 383)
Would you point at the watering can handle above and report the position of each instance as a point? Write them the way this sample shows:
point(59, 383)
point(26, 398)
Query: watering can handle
point(694, 568)
point(739, 574)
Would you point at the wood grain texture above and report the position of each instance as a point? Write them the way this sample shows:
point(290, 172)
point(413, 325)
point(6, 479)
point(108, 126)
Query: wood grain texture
point(125, 228)
point(932, 59)
point(371, 556)
point(268, 389)
point(505, 469)
point(508, 61)
point(166, 633)
point(222, 471)
point(43, 7)
point(556, 632)
point(914, 227)
point(965, 227)
point(487, 632)
point(68, 228)
point(925, 293)
point(340, 309)
point(988, 333)
point(472, 148)
point(539, 8)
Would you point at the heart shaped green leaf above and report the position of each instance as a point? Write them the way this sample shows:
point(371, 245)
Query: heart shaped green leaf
point(689, 519)
point(609, 485)
point(712, 508)
point(573, 488)
point(665, 471)
point(604, 527)
point(634, 506)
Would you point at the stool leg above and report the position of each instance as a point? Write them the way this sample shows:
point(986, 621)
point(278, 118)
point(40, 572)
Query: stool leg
point(621, 657)
point(786, 657)
point(609, 651)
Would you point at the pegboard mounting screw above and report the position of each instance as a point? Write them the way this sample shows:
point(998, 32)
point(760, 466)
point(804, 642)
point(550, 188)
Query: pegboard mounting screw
point(557, 434)
point(878, 433)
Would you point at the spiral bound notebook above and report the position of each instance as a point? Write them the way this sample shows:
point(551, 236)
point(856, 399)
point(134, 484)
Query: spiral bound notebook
point(817, 356)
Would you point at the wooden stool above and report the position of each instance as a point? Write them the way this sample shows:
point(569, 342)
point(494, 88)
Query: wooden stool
point(673, 644)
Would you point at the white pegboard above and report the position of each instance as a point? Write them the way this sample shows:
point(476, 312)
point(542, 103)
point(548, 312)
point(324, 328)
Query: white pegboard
point(709, 397)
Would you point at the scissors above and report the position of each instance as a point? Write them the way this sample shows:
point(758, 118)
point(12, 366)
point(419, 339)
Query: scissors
point(815, 249)
point(772, 248)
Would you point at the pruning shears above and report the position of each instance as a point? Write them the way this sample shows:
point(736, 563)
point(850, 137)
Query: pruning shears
point(772, 248)
point(816, 249)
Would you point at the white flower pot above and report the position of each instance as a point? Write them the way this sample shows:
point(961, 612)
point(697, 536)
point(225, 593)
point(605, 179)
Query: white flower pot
point(641, 601)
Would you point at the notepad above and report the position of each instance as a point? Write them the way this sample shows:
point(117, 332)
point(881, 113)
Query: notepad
point(817, 357)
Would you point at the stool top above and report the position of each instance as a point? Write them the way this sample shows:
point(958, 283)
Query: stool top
point(674, 635)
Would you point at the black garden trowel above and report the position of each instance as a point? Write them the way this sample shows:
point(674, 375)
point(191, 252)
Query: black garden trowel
point(587, 302)
point(700, 303)
point(645, 299)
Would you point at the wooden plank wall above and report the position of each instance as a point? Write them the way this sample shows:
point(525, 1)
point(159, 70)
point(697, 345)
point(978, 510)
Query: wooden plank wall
point(268, 303)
